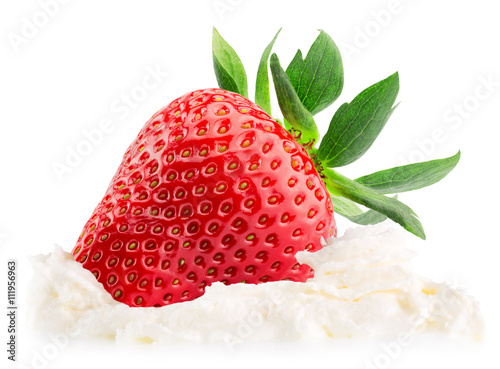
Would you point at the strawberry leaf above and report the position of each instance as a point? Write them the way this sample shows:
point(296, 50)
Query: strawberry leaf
point(294, 112)
point(262, 97)
point(228, 67)
point(319, 78)
point(341, 186)
point(345, 207)
point(356, 125)
point(349, 210)
point(410, 177)
point(367, 218)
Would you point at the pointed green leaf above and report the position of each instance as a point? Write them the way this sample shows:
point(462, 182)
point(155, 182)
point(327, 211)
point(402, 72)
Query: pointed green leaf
point(349, 210)
point(355, 126)
point(228, 67)
point(410, 177)
point(294, 112)
point(339, 185)
point(367, 218)
point(345, 207)
point(295, 66)
point(262, 97)
point(319, 78)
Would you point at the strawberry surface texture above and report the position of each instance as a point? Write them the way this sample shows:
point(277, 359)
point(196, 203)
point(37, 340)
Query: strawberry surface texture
point(212, 190)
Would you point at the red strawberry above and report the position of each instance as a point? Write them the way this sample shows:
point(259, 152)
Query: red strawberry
point(213, 189)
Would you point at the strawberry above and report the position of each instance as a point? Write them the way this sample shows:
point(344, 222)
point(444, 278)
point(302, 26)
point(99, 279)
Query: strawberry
point(212, 190)
point(215, 190)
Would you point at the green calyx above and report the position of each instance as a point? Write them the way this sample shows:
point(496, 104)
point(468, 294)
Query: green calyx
point(310, 85)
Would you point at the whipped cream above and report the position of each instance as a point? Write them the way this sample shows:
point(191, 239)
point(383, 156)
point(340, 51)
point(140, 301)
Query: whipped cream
point(363, 287)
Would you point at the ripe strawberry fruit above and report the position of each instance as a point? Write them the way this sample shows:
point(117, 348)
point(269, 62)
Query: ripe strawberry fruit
point(212, 189)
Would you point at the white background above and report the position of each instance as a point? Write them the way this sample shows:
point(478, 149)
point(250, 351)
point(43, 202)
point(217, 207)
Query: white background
point(72, 69)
